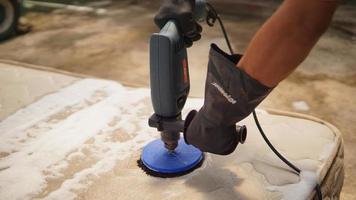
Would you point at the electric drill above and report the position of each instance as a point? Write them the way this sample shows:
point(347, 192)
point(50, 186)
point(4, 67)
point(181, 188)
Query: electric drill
point(169, 77)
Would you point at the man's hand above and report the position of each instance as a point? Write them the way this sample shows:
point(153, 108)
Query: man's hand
point(181, 11)
point(230, 96)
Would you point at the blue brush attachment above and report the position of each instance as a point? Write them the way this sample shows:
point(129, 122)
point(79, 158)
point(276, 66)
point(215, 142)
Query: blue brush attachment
point(184, 158)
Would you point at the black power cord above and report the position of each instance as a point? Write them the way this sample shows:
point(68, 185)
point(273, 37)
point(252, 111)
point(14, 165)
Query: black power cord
point(211, 18)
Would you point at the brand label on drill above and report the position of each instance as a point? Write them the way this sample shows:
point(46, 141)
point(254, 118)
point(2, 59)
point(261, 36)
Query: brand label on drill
point(185, 70)
point(225, 94)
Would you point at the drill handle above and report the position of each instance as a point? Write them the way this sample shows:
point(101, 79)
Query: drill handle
point(169, 75)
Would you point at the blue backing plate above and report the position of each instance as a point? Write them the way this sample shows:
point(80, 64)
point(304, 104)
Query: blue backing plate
point(157, 158)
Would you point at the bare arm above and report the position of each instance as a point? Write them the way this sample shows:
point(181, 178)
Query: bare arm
point(284, 41)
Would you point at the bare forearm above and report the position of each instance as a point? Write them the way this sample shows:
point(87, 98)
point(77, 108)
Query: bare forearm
point(284, 41)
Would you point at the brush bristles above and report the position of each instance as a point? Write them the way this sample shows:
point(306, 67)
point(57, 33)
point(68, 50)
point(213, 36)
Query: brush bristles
point(150, 172)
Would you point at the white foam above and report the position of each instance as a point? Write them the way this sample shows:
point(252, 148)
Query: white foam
point(300, 190)
point(300, 106)
point(57, 140)
point(11, 129)
point(328, 149)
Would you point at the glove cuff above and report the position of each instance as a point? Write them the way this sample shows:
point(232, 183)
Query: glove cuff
point(229, 62)
point(230, 93)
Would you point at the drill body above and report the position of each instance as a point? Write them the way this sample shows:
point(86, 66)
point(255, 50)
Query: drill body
point(169, 78)
point(169, 74)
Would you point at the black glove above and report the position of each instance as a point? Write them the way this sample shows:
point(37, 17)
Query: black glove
point(230, 96)
point(181, 11)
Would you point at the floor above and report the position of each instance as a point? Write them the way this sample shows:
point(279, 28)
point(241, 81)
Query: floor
point(114, 46)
